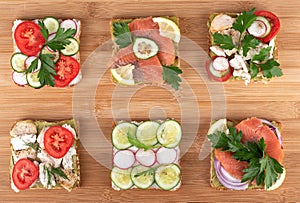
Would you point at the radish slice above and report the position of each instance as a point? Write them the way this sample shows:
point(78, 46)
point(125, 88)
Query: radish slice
point(124, 159)
point(50, 37)
point(66, 24)
point(29, 60)
point(258, 28)
point(220, 64)
point(166, 156)
point(145, 158)
point(19, 78)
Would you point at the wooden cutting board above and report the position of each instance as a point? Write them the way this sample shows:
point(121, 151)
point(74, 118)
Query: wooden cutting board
point(279, 100)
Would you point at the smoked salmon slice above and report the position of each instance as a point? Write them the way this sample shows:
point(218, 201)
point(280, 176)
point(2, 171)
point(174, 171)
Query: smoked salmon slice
point(151, 70)
point(143, 27)
point(124, 56)
point(147, 28)
point(253, 130)
point(231, 165)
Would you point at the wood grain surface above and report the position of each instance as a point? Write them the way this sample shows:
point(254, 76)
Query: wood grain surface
point(279, 100)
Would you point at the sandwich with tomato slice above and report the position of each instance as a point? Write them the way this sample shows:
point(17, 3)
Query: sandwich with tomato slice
point(44, 155)
point(243, 46)
point(246, 155)
point(46, 52)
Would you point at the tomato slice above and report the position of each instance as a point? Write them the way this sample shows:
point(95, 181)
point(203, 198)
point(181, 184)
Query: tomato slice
point(29, 38)
point(24, 173)
point(274, 21)
point(57, 141)
point(219, 79)
point(67, 68)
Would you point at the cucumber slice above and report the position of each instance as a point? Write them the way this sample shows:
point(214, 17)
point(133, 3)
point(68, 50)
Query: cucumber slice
point(267, 24)
point(47, 50)
point(146, 133)
point(51, 24)
point(72, 48)
point(167, 177)
point(169, 134)
point(33, 80)
point(17, 62)
point(119, 135)
point(121, 178)
point(143, 181)
point(144, 48)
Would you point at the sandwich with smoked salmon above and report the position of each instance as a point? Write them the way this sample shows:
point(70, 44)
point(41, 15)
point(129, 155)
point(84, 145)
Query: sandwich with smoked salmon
point(243, 46)
point(145, 51)
point(246, 155)
point(44, 155)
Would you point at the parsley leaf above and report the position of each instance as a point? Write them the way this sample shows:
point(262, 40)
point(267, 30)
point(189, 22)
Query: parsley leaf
point(249, 42)
point(61, 39)
point(269, 67)
point(253, 70)
point(170, 75)
point(261, 167)
point(44, 30)
point(225, 41)
point(244, 21)
point(135, 142)
point(122, 34)
point(47, 71)
point(262, 55)
point(33, 66)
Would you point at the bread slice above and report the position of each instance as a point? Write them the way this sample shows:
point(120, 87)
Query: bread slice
point(37, 127)
point(77, 79)
point(136, 163)
point(259, 77)
point(214, 181)
point(128, 20)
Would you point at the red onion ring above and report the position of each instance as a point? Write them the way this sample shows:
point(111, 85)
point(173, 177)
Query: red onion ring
point(227, 180)
point(277, 132)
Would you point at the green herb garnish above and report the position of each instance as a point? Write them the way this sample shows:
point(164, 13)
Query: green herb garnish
point(263, 168)
point(135, 142)
point(61, 39)
point(150, 171)
point(122, 34)
point(34, 145)
point(170, 75)
point(269, 67)
point(225, 41)
point(58, 171)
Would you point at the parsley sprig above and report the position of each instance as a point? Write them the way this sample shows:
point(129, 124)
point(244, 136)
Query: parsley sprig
point(122, 34)
point(262, 168)
point(46, 73)
point(261, 61)
point(171, 75)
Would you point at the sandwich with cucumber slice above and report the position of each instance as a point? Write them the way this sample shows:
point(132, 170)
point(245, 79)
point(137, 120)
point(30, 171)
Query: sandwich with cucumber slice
point(146, 155)
point(146, 51)
point(44, 155)
point(243, 46)
point(46, 52)
point(246, 155)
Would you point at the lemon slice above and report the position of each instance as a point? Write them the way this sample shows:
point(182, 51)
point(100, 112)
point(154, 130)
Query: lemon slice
point(168, 28)
point(123, 74)
point(219, 125)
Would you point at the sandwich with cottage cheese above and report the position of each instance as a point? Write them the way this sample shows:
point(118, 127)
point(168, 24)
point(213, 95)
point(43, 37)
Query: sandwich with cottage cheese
point(44, 155)
point(46, 52)
point(242, 46)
